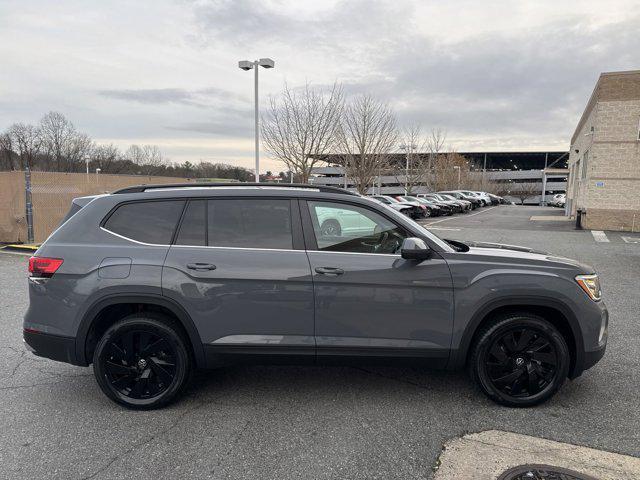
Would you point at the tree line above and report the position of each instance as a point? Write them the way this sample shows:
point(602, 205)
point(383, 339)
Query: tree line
point(55, 145)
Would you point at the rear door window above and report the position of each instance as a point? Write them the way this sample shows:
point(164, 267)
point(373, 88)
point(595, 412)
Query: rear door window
point(194, 224)
point(250, 223)
point(147, 222)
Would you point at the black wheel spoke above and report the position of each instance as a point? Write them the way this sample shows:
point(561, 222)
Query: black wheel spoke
point(119, 369)
point(509, 342)
point(164, 376)
point(129, 347)
point(155, 346)
point(509, 377)
point(116, 352)
point(533, 385)
point(498, 353)
point(539, 344)
point(549, 358)
point(525, 339)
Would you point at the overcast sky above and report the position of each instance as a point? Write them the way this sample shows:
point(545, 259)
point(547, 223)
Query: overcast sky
point(495, 75)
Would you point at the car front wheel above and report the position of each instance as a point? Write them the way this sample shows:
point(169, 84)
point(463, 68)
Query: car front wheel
point(520, 360)
point(142, 362)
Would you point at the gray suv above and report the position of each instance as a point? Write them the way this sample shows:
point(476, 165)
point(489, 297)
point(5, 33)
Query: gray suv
point(151, 282)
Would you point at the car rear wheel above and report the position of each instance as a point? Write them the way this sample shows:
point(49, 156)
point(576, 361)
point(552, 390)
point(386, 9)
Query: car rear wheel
point(142, 362)
point(520, 360)
point(331, 228)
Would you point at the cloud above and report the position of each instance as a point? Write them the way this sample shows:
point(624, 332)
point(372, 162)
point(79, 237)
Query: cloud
point(157, 96)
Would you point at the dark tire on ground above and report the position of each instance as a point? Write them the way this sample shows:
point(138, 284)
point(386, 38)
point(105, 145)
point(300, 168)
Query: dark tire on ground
point(142, 361)
point(519, 360)
point(331, 228)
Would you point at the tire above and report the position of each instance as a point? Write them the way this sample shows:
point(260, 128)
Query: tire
point(331, 228)
point(150, 374)
point(519, 360)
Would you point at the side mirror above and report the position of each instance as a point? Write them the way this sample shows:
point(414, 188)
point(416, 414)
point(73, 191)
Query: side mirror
point(414, 249)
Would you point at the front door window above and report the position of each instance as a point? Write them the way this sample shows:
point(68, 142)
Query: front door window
point(340, 227)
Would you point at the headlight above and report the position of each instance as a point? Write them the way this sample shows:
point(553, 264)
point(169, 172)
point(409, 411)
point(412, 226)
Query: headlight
point(591, 285)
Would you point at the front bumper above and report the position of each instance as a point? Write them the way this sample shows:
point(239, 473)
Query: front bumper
point(591, 358)
point(54, 347)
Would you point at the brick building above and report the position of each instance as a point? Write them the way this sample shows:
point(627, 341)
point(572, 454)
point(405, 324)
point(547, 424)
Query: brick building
point(604, 159)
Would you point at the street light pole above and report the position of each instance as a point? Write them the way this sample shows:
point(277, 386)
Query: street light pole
point(457, 167)
point(248, 65)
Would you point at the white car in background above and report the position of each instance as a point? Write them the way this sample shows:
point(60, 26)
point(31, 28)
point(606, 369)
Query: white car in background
point(558, 200)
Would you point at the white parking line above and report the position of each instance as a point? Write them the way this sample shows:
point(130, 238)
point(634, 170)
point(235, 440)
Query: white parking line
point(631, 239)
point(454, 218)
point(599, 236)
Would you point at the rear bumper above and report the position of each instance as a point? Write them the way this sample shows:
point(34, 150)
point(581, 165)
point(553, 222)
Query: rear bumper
point(54, 347)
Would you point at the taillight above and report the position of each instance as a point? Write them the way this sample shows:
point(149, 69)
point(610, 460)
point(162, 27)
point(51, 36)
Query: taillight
point(44, 267)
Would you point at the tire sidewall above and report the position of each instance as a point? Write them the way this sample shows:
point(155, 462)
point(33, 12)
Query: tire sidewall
point(153, 326)
point(501, 327)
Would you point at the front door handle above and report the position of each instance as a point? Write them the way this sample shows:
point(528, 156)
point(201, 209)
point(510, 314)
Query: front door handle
point(201, 266)
point(329, 270)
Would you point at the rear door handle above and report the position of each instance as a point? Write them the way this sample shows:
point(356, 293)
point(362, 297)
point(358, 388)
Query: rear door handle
point(201, 266)
point(329, 270)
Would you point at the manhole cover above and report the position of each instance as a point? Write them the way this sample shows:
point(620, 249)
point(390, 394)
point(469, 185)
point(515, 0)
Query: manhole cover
point(542, 472)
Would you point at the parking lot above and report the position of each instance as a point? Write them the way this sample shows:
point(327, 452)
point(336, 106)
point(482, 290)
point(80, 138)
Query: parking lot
point(318, 422)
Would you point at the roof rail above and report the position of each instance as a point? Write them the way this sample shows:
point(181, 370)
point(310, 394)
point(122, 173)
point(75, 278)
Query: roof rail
point(144, 188)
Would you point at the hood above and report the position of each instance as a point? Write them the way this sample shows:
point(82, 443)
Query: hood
point(516, 252)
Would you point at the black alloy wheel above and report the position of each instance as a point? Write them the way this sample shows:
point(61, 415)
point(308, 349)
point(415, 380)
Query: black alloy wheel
point(142, 362)
point(520, 360)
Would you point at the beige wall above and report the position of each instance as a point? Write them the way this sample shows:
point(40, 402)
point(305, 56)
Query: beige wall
point(52, 193)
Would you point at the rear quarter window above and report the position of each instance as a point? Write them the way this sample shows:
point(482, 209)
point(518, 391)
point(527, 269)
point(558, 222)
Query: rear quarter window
point(147, 222)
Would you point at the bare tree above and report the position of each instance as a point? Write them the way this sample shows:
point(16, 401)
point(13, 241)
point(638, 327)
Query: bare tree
point(56, 133)
point(28, 142)
point(450, 171)
point(417, 165)
point(522, 191)
point(367, 135)
point(6, 151)
point(300, 127)
point(107, 158)
point(435, 146)
point(148, 158)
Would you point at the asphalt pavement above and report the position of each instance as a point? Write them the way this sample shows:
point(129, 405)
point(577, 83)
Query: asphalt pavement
point(316, 422)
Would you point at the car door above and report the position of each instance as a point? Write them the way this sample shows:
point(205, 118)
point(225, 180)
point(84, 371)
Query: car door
point(239, 268)
point(368, 300)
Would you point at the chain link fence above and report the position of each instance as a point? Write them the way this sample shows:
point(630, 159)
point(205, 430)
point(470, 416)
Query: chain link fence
point(51, 194)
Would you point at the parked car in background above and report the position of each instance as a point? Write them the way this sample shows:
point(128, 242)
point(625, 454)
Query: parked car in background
point(483, 196)
point(444, 209)
point(455, 206)
point(417, 210)
point(558, 200)
point(475, 201)
point(151, 282)
point(407, 210)
point(464, 204)
point(495, 199)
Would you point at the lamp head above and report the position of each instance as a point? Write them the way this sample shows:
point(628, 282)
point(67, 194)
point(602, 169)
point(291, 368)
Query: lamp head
point(245, 65)
point(266, 63)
